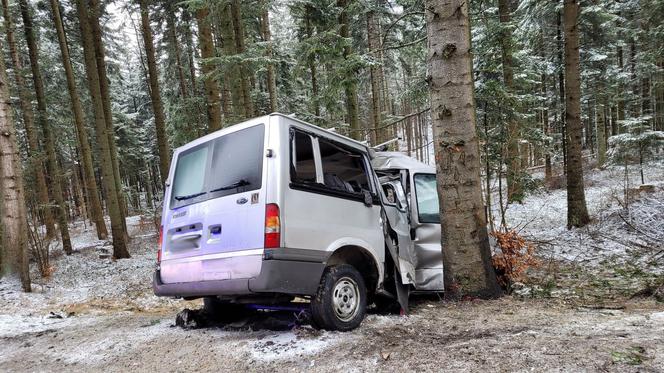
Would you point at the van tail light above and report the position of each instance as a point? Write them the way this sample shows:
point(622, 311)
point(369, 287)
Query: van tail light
point(272, 226)
point(161, 240)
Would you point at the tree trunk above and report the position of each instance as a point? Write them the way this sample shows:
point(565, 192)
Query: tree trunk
point(514, 188)
point(112, 201)
point(561, 91)
point(601, 137)
point(186, 19)
point(238, 30)
point(350, 87)
point(577, 212)
point(271, 77)
point(172, 35)
point(311, 60)
point(211, 86)
point(155, 95)
point(377, 135)
point(81, 133)
point(52, 162)
point(13, 212)
point(100, 55)
point(34, 153)
point(233, 72)
point(465, 242)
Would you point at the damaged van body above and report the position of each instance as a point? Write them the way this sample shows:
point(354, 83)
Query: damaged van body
point(275, 208)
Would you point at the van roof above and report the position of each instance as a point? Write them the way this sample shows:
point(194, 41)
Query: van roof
point(262, 119)
point(399, 161)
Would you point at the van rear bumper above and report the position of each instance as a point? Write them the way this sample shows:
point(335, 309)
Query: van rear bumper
point(276, 276)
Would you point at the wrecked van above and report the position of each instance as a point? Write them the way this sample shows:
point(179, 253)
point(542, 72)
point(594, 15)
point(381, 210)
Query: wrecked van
point(275, 208)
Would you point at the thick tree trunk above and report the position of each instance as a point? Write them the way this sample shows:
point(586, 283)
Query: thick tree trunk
point(211, 86)
point(113, 203)
point(51, 158)
point(100, 55)
point(155, 95)
point(376, 135)
point(13, 212)
point(79, 120)
point(577, 212)
point(34, 152)
point(238, 30)
point(514, 188)
point(271, 77)
point(465, 242)
point(350, 87)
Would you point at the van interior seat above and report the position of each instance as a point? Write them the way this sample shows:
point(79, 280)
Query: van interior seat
point(333, 181)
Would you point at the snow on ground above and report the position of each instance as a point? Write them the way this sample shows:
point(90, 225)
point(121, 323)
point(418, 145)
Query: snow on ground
point(97, 314)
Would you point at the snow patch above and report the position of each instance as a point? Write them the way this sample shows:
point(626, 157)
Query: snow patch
point(288, 345)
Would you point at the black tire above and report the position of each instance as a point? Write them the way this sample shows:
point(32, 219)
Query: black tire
point(344, 284)
point(219, 310)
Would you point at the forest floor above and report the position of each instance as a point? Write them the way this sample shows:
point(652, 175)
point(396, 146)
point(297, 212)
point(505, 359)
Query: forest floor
point(592, 305)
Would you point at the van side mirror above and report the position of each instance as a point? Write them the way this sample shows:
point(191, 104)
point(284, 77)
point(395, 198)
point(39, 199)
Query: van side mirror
point(368, 198)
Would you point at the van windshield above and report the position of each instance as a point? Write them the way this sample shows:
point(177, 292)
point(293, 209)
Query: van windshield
point(230, 164)
point(427, 198)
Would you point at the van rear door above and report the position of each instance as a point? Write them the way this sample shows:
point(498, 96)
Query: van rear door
point(216, 209)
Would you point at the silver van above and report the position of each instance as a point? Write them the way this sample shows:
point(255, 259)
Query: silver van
point(275, 208)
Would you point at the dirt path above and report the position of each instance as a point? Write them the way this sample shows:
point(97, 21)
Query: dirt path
point(501, 335)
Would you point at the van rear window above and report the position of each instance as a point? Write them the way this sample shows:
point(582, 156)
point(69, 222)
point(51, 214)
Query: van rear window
point(227, 165)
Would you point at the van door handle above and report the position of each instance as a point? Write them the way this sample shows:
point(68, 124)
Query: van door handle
point(186, 237)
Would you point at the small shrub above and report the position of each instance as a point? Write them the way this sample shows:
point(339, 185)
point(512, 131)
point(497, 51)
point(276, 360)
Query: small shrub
point(513, 256)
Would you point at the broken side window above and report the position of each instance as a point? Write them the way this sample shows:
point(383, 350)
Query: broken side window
point(303, 167)
point(343, 170)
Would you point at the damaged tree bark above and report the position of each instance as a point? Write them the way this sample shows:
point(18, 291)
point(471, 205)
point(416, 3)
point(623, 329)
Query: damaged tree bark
point(465, 240)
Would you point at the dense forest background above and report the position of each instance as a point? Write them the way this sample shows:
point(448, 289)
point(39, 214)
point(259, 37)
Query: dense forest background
point(101, 91)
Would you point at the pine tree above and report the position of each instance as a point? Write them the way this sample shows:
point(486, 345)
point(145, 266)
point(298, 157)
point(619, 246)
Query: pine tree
point(108, 178)
point(155, 94)
point(577, 212)
point(467, 256)
point(27, 113)
point(79, 121)
point(13, 213)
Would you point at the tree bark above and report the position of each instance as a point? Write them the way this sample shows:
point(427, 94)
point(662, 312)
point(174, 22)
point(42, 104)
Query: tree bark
point(465, 242)
point(271, 77)
point(13, 212)
point(211, 86)
point(601, 137)
point(514, 188)
point(376, 135)
point(51, 158)
point(108, 182)
point(577, 212)
point(100, 55)
point(34, 152)
point(94, 203)
point(350, 86)
point(155, 95)
point(311, 60)
point(238, 30)
point(172, 35)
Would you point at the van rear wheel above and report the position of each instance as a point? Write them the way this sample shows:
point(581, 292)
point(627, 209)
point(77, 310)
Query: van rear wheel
point(341, 300)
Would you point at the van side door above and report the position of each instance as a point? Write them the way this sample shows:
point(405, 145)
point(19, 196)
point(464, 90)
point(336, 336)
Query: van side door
point(396, 208)
point(425, 220)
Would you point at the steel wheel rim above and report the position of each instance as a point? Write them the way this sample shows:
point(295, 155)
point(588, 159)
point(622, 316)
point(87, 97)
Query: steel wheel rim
point(346, 299)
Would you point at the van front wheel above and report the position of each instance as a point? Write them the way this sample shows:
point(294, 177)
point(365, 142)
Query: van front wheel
point(341, 300)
